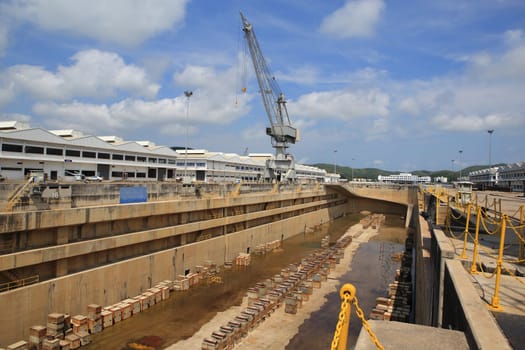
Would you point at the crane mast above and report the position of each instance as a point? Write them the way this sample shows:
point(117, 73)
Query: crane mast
point(281, 130)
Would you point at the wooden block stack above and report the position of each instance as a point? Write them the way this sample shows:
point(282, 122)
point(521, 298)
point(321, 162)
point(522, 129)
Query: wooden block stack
point(164, 292)
point(36, 336)
point(117, 314)
point(126, 310)
point(80, 324)
point(290, 304)
point(55, 325)
point(243, 259)
point(143, 301)
point(193, 279)
point(74, 341)
point(94, 318)
point(135, 305)
point(85, 338)
point(107, 318)
point(64, 345)
point(158, 293)
point(20, 345)
point(151, 297)
point(181, 284)
point(316, 281)
point(51, 344)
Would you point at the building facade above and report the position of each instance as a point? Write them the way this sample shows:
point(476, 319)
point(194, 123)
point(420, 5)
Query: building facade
point(68, 155)
point(404, 178)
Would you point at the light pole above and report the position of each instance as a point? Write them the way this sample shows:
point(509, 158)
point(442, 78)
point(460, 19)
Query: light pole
point(353, 169)
point(460, 151)
point(490, 131)
point(188, 95)
point(335, 163)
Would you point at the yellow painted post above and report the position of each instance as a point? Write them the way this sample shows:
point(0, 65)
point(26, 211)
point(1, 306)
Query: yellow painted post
point(495, 299)
point(474, 268)
point(437, 208)
point(464, 254)
point(522, 244)
point(347, 293)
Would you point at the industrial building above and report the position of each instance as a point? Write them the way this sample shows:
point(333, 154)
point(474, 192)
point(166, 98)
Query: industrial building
point(509, 177)
point(71, 155)
point(403, 178)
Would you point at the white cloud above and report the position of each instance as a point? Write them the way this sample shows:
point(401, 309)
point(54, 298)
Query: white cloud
point(7, 93)
point(513, 36)
point(380, 128)
point(341, 104)
point(15, 116)
point(475, 123)
point(378, 162)
point(93, 73)
point(212, 102)
point(409, 106)
point(355, 19)
point(118, 21)
point(300, 75)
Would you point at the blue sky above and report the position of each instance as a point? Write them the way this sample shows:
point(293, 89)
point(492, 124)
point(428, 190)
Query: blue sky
point(399, 85)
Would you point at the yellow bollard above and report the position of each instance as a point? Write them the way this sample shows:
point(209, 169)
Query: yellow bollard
point(474, 268)
point(347, 294)
point(495, 299)
point(465, 238)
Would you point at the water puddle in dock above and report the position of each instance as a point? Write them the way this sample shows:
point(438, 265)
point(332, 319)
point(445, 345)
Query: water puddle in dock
point(372, 271)
point(185, 312)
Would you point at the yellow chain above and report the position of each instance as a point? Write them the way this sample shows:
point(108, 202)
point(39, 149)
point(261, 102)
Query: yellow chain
point(371, 333)
point(340, 321)
point(347, 298)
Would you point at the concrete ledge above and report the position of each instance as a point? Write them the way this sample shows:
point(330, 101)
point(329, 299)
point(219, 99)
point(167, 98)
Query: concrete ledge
point(397, 335)
point(20, 221)
point(43, 255)
point(445, 246)
point(481, 327)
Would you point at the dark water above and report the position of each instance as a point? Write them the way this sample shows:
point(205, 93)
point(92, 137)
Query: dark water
point(372, 271)
point(185, 312)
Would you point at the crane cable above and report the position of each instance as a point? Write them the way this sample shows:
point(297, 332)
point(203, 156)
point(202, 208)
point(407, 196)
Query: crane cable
point(242, 66)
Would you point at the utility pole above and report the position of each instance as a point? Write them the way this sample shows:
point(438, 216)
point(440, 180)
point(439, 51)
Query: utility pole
point(460, 151)
point(353, 169)
point(335, 162)
point(188, 95)
point(490, 131)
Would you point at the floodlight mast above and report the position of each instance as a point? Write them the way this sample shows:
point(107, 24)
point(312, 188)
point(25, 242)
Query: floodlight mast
point(281, 130)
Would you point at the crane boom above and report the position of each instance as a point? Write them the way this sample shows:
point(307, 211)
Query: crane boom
point(281, 130)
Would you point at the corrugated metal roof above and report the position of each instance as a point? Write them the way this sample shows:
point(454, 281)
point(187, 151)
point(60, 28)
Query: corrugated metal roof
point(36, 135)
point(91, 141)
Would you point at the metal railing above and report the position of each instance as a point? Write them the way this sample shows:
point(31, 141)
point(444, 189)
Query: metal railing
point(494, 222)
point(19, 283)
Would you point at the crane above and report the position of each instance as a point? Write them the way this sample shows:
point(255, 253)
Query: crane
point(281, 131)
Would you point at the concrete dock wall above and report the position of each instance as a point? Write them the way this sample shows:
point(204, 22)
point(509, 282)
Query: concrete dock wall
point(109, 284)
